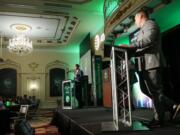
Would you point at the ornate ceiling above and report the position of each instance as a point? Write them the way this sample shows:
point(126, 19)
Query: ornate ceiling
point(51, 22)
point(44, 30)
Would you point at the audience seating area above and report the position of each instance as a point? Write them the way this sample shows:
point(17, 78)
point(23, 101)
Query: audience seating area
point(17, 113)
point(23, 128)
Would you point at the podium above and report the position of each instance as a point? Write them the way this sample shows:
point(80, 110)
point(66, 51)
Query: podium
point(120, 85)
point(120, 88)
point(68, 94)
point(121, 101)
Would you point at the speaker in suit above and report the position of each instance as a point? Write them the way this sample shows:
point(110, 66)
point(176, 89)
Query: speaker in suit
point(78, 77)
point(150, 61)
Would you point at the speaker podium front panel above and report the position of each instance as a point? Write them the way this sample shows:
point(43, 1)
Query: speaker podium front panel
point(68, 94)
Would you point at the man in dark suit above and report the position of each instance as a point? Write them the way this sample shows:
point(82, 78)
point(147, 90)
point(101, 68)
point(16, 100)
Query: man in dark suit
point(78, 77)
point(150, 61)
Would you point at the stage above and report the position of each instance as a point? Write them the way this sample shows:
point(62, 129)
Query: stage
point(89, 121)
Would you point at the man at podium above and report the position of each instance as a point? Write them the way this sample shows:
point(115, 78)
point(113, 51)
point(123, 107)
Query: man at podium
point(150, 63)
point(78, 75)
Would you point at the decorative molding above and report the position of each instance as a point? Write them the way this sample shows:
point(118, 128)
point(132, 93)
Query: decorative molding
point(56, 64)
point(33, 77)
point(10, 64)
point(60, 33)
point(122, 12)
point(33, 66)
point(71, 1)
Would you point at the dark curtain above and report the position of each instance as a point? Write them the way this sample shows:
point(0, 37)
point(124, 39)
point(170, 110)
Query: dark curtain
point(57, 75)
point(8, 82)
point(171, 49)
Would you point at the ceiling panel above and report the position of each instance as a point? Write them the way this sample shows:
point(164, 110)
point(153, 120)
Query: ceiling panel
point(40, 27)
point(44, 29)
point(52, 22)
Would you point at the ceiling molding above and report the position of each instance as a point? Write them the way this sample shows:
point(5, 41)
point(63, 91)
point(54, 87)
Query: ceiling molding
point(66, 19)
point(70, 1)
point(40, 7)
point(45, 30)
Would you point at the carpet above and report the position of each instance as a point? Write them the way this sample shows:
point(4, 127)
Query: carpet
point(40, 121)
point(47, 130)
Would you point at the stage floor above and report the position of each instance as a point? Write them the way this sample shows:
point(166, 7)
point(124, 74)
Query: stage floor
point(91, 119)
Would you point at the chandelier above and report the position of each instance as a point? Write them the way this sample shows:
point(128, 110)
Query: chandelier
point(20, 44)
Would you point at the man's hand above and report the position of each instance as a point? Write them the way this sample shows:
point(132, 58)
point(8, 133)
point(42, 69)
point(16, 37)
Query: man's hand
point(131, 49)
point(124, 45)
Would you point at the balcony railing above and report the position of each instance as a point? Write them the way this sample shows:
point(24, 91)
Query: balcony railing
point(110, 7)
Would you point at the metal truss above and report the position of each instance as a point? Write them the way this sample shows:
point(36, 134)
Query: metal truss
point(120, 87)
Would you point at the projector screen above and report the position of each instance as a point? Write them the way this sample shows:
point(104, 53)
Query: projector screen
point(85, 65)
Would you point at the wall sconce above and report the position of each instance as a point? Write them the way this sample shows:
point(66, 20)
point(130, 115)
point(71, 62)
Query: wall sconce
point(33, 86)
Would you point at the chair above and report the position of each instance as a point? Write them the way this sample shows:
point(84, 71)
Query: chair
point(21, 115)
point(23, 128)
point(23, 111)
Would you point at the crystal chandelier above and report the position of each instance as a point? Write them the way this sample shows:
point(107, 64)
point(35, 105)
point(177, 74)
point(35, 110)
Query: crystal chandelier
point(20, 45)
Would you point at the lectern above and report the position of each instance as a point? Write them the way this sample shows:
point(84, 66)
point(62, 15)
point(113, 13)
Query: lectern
point(68, 94)
point(120, 87)
point(121, 101)
point(120, 90)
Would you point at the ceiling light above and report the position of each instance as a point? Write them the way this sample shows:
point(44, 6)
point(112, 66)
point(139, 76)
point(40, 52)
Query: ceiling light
point(20, 45)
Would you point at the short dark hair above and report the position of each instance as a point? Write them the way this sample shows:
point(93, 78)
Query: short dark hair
point(77, 65)
point(145, 11)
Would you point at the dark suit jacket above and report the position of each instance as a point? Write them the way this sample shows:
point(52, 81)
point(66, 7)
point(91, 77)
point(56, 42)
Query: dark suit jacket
point(148, 46)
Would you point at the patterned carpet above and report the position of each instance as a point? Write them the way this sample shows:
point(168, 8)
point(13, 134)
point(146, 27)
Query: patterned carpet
point(41, 118)
point(41, 123)
point(47, 130)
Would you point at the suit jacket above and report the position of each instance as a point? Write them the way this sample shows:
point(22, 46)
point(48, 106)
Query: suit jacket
point(148, 46)
point(78, 75)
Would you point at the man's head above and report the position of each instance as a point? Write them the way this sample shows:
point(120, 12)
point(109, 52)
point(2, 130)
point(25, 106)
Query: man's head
point(76, 66)
point(141, 17)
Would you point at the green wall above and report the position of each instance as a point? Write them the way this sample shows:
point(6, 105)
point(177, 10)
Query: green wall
point(168, 16)
point(122, 40)
point(72, 54)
